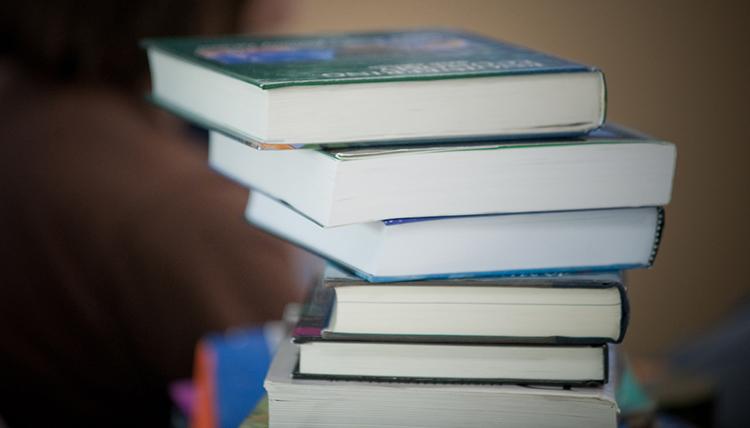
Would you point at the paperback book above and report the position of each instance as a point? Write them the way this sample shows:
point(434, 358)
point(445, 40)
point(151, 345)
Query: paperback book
point(612, 167)
point(445, 247)
point(391, 87)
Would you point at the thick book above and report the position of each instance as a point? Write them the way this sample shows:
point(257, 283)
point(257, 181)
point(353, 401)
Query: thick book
point(404, 249)
point(309, 91)
point(575, 308)
point(612, 167)
point(309, 403)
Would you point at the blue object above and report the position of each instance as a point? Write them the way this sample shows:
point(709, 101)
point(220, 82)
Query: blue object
point(242, 361)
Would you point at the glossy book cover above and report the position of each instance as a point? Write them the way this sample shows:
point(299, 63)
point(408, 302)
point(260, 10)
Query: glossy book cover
point(272, 62)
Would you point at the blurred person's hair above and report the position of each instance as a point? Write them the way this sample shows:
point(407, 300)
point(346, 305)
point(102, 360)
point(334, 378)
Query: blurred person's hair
point(96, 41)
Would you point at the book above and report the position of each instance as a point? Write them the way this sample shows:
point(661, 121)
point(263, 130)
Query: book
point(574, 308)
point(308, 91)
point(455, 363)
point(294, 402)
point(612, 167)
point(404, 249)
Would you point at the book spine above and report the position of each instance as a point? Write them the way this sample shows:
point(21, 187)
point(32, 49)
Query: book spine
point(660, 220)
point(315, 314)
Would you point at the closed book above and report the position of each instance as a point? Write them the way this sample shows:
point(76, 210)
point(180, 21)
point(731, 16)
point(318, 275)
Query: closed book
point(612, 167)
point(310, 91)
point(404, 249)
point(452, 362)
point(576, 308)
point(311, 403)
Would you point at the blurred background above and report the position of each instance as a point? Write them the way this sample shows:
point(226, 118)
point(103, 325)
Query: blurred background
point(677, 70)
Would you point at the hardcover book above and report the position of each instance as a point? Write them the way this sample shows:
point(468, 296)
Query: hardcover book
point(312, 403)
point(575, 308)
point(452, 363)
point(612, 167)
point(311, 91)
point(445, 247)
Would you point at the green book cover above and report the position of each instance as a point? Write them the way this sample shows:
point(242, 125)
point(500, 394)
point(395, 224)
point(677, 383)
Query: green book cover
point(272, 62)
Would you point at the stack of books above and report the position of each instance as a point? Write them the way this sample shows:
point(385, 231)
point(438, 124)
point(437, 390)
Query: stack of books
point(476, 211)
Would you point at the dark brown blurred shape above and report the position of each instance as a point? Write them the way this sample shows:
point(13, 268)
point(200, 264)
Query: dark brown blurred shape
point(97, 41)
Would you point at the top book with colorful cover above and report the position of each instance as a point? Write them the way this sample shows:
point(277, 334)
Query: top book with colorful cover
point(377, 88)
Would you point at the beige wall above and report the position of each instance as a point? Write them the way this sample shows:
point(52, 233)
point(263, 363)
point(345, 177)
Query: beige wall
point(677, 70)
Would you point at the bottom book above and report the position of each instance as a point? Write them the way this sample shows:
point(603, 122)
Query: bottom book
point(325, 403)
